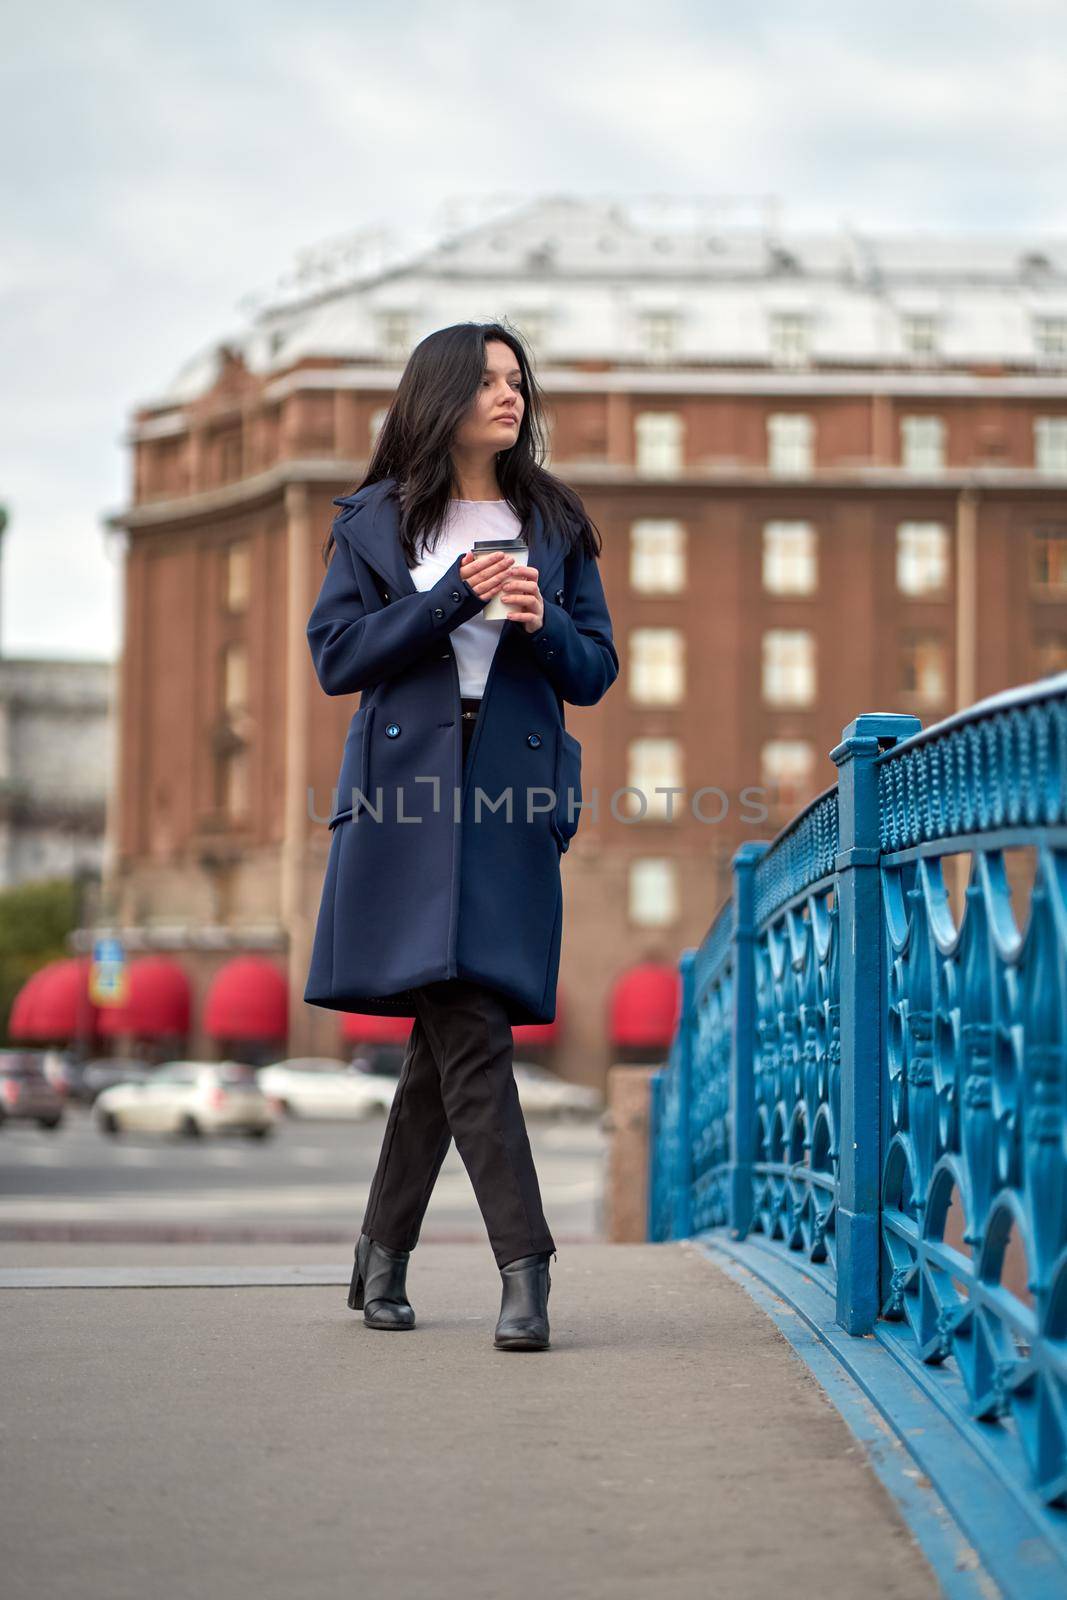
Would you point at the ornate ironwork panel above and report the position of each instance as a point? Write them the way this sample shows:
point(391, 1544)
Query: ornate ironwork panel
point(797, 1069)
point(802, 854)
point(974, 1193)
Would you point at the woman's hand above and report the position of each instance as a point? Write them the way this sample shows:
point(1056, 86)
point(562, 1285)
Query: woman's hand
point(523, 598)
point(486, 573)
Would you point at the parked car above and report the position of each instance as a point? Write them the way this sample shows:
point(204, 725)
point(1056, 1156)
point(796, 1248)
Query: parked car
point(320, 1086)
point(102, 1072)
point(188, 1097)
point(544, 1093)
point(25, 1093)
point(380, 1060)
point(63, 1071)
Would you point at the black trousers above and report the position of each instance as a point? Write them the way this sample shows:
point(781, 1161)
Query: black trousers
point(456, 1081)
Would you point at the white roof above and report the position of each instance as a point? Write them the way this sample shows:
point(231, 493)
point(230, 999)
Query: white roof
point(587, 278)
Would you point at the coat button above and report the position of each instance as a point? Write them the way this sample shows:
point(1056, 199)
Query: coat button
point(385, 594)
point(392, 730)
point(438, 612)
point(559, 597)
point(550, 652)
point(533, 740)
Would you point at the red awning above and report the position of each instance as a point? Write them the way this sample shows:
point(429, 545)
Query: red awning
point(644, 1006)
point(157, 1001)
point(248, 998)
point(360, 1027)
point(54, 1003)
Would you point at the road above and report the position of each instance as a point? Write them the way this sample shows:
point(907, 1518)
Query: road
point(310, 1182)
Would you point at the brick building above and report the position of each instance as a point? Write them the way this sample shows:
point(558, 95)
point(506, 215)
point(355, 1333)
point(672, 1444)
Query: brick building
point(829, 473)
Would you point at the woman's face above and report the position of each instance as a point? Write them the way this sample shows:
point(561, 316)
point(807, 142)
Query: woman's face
point(492, 422)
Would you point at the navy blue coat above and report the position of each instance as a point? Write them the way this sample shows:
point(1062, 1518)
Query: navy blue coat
point(426, 878)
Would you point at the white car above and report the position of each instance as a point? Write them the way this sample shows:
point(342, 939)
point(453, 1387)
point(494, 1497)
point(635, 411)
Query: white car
point(188, 1097)
point(545, 1093)
point(319, 1086)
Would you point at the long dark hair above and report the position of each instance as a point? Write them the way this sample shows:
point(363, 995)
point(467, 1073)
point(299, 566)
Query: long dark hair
point(436, 390)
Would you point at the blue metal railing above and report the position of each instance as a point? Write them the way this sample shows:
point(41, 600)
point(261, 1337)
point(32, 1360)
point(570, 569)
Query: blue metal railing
point(875, 1087)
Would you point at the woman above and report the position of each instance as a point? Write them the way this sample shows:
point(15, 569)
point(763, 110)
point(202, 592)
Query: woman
point(458, 792)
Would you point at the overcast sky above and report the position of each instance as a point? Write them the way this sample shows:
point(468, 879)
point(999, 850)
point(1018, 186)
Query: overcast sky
point(161, 162)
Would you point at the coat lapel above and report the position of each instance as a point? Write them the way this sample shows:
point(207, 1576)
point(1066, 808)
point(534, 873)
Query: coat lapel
point(374, 529)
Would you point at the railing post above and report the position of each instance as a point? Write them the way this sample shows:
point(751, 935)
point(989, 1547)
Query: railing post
point(655, 1084)
point(860, 927)
point(683, 1175)
point(743, 1038)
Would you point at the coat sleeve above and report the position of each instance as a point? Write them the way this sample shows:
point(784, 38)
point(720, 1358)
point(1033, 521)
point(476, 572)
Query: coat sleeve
point(354, 648)
point(575, 649)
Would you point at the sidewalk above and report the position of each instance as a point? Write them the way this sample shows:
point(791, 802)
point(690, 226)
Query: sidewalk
point(260, 1441)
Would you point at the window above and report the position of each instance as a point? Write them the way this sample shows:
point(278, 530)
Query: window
point(790, 336)
point(790, 442)
point(653, 764)
point(238, 576)
point(229, 456)
point(1048, 561)
point(316, 421)
point(657, 555)
point(924, 668)
point(918, 332)
point(922, 558)
point(658, 438)
point(922, 444)
point(394, 333)
point(789, 558)
point(787, 768)
point(658, 332)
point(1050, 654)
point(235, 677)
point(236, 1073)
point(788, 667)
point(653, 891)
point(1050, 444)
point(657, 666)
point(1050, 338)
point(377, 420)
point(235, 785)
point(178, 1073)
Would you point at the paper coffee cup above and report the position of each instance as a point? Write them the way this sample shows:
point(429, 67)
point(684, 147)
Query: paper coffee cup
point(496, 609)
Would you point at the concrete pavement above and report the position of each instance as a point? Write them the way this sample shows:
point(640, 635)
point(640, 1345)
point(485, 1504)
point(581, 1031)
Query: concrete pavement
point(259, 1440)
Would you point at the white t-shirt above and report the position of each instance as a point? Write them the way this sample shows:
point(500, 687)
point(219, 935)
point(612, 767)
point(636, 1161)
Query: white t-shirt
point(475, 641)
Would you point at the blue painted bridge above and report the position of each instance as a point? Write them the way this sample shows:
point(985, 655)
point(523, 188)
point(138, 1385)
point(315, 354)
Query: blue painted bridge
point(864, 1110)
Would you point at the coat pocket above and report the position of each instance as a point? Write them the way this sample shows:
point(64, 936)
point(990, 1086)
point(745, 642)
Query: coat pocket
point(568, 788)
point(353, 780)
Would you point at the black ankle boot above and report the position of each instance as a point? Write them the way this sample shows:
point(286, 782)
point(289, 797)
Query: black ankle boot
point(523, 1322)
point(378, 1285)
